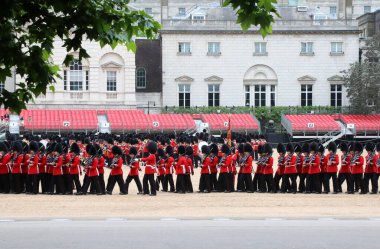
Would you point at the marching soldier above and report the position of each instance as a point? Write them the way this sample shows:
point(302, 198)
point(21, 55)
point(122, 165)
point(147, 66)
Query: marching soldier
point(56, 164)
point(357, 162)
point(32, 184)
point(189, 169)
point(290, 171)
point(91, 171)
point(331, 162)
point(180, 170)
point(42, 170)
point(257, 178)
point(116, 174)
point(66, 169)
point(24, 167)
point(214, 166)
point(268, 168)
point(15, 163)
point(134, 171)
point(344, 171)
point(240, 181)
point(299, 162)
point(313, 183)
point(280, 167)
point(5, 158)
point(247, 164)
point(370, 172)
point(224, 184)
point(169, 166)
point(304, 168)
point(204, 182)
point(150, 168)
point(75, 168)
point(160, 168)
point(323, 166)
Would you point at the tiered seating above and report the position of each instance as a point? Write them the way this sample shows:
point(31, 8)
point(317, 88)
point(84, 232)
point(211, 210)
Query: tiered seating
point(363, 122)
point(238, 121)
point(312, 123)
point(60, 119)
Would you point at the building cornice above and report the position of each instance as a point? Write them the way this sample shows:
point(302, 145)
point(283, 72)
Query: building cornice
point(275, 32)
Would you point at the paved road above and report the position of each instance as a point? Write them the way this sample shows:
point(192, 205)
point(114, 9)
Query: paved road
point(192, 234)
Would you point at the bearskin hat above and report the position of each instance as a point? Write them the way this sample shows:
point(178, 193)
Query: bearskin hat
point(358, 147)
point(58, 148)
point(281, 148)
point(88, 146)
point(268, 148)
point(241, 148)
point(99, 150)
point(160, 152)
point(17, 146)
point(110, 140)
point(189, 151)
point(378, 147)
point(248, 148)
point(195, 139)
point(332, 147)
point(25, 147)
point(91, 150)
point(74, 148)
point(205, 150)
point(116, 150)
point(261, 137)
point(65, 148)
point(181, 150)
point(214, 149)
point(260, 149)
point(226, 149)
point(134, 141)
point(351, 146)
point(289, 147)
point(3, 147)
point(50, 147)
point(297, 148)
point(313, 147)
point(133, 151)
point(33, 146)
point(152, 148)
point(321, 149)
point(86, 140)
point(369, 146)
point(169, 150)
point(305, 148)
point(344, 147)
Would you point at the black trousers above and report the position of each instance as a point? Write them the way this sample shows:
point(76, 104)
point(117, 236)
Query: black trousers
point(276, 182)
point(32, 184)
point(68, 183)
point(256, 182)
point(148, 180)
point(16, 183)
point(302, 183)
point(268, 182)
point(214, 181)
point(341, 178)
point(137, 181)
point(240, 182)
point(373, 177)
point(322, 180)
point(313, 183)
point(76, 181)
point(188, 183)
point(112, 179)
point(224, 182)
point(93, 180)
point(289, 183)
point(159, 180)
point(180, 184)
point(57, 183)
point(356, 181)
point(326, 182)
point(196, 161)
point(43, 181)
point(247, 178)
point(204, 183)
point(24, 180)
point(231, 177)
point(102, 184)
point(168, 180)
point(5, 183)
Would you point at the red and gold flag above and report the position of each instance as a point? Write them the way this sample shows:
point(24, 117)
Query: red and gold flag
point(229, 132)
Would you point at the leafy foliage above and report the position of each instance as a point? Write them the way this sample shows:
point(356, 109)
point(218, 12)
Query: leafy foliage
point(254, 12)
point(28, 30)
point(362, 79)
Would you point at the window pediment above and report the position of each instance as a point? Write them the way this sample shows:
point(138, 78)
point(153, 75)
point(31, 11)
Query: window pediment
point(335, 78)
point(307, 79)
point(111, 64)
point(184, 78)
point(214, 78)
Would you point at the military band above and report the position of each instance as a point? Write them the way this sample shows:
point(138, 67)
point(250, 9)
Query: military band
point(169, 165)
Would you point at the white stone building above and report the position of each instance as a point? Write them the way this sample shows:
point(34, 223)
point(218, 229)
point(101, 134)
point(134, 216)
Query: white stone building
point(213, 63)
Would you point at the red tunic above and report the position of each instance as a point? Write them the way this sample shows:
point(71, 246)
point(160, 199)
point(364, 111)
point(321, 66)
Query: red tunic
point(357, 166)
point(161, 168)
point(117, 169)
point(345, 166)
point(314, 165)
point(4, 169)
point(290, 164)
point(214, 165)
point(33, 165)
point(75, 165)
point(25, 164)
point(57, 167)
point(135, 167)
point(333, 166)
point(189, 166)
point(42, 164)
point(233, 163)
point(268, 168)
point(299, 162)
point(280, 165)
point(169, 165)
point(181, 165)
point(195, 150)
point(206, 166)
point(225, 167)
point(370, 166)
point(247, 167)
point(92, 169)
point(101, 165)
point(65, 166)
point(323, 163)
point(305, 164)
point(150, 164)
point(16, 166)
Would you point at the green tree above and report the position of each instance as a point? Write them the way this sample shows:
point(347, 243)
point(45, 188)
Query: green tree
point(362, 79)
point(259, 13)
point(28, 30)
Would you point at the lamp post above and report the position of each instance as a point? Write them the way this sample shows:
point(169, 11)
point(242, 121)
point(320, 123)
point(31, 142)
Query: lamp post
point(154, 104)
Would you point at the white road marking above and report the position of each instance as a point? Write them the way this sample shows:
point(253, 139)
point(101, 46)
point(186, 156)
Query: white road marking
point(221, 219)
point(60, 220)
point(116, 219)
point(7, 220)
point(169, 219)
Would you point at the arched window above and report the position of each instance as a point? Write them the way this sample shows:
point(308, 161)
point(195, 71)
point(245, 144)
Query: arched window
point(141, 78)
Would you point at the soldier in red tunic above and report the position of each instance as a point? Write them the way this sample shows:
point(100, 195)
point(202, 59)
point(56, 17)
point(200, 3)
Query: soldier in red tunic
point(32, 184)
point(5, 158)
point(356, 166)
point(224, 165)
point(160, 168)
point(304, 168)
point(290, 172)
point(268, 168)
point(91, 171)
point(116, 174)
point(214, 166)
point(75, 167)
point(313, 183)
point(56, 164)
point(189, 169)
point(280, 167)
point(150, 169)
point(204, 182)
point(42, 169)
point(257, 178)
point(134, 171)
point(331, 162)
point(180, 170)
point(246, 163)
point(344, 171)
point(169, 169)
point(370, 172)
